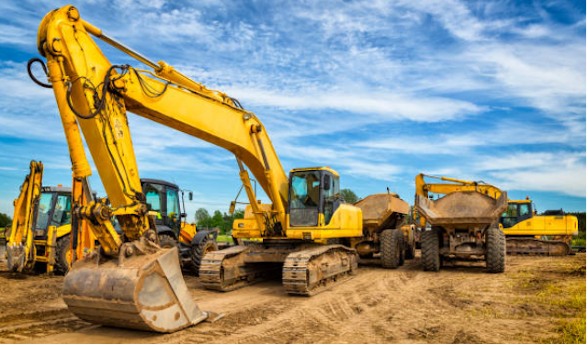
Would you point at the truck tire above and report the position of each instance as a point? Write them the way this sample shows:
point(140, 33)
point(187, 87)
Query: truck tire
point(495, 250)
point(391, 243)
point(62, 255)
point(198, 251)
point(430, 258)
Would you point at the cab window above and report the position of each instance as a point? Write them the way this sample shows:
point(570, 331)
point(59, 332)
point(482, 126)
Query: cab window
point(304, 198)
point(511, 211)
point(173, 206)
point(153, 197)
point(330, 196)
point(43, 210)
point(525, 209)
point(62, 212)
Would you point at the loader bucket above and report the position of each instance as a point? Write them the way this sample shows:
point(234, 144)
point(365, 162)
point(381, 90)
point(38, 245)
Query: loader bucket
point(144, 292)
point(469, 208)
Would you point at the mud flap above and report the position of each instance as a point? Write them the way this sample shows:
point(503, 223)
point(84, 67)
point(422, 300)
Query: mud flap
point(145, 292)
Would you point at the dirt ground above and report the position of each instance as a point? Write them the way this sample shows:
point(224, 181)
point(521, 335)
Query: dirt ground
point(538, 299)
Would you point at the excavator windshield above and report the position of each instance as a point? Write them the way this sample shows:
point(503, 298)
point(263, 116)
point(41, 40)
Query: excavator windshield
point(304, 198)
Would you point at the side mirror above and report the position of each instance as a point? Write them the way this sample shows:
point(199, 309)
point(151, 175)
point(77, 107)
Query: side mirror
point(190, 196)
point(183, 215)
point(327, 182)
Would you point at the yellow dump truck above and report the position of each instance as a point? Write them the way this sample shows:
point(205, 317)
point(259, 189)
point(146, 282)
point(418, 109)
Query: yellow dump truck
point(463, 223)
point(386, 239)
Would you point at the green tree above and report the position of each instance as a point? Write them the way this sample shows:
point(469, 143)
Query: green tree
point(4, 220)
point(203, 218)
point(349, 196)
point(217, 220)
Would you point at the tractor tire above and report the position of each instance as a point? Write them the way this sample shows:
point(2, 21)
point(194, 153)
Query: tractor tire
point(198, 251)
point(63, 255)
point(495, 250)
point(430, 258)
point(391, 244)
point(167, 241)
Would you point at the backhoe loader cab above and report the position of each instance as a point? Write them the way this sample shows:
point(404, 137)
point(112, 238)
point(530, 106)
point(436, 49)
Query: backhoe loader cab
point(163, 199)
point(314, 196)
point(517, 211)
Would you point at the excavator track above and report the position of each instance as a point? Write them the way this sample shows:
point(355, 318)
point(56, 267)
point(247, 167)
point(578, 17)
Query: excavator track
point(534, 246)
point(312, 271)
point(226, 270)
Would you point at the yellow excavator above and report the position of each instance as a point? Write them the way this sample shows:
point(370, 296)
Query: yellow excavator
point(131, 281)
point(528, 233)
point(462, 225)
point(40, 237)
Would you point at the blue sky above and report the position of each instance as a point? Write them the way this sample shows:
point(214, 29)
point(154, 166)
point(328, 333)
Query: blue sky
point(378, 90)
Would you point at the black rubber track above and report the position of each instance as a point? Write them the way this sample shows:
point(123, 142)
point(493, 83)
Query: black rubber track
point(495, 250)
point(430, 251)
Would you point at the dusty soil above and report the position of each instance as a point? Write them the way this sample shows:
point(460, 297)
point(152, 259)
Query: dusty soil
point(462, 304)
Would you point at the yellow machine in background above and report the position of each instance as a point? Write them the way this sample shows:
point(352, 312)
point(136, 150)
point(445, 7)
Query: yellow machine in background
point(529, 233)
point(40, 236)
point(463, 223)
point(132, 282)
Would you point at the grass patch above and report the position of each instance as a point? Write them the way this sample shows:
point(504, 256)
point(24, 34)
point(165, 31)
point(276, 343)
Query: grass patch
point(570, 332)
point(224, 238)
point(579, 242)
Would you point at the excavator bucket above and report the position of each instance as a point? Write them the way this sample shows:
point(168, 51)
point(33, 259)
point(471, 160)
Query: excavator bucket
point(144, 291)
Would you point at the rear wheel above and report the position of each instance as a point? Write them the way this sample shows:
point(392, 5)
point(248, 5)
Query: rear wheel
point(495, 250)
point(63, 255)
point(198, 251)
point(391, 243)
point(430, 258)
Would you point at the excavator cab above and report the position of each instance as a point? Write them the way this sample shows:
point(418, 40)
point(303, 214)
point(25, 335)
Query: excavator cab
point(314, 196)
point(162, 197)
point(518, 211)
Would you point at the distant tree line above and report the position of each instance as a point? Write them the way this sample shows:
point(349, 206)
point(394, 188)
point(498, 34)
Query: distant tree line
point(581, 223)
point(221, 220)
point(4, 220)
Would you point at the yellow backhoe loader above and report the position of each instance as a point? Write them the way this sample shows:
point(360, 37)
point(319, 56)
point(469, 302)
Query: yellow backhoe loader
point(163, 198)
point(463, 223)
point(131, 281)
point(40, 237)
point(528, 233)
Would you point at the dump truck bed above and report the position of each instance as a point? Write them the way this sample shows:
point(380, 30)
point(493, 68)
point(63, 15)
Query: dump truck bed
point(379, 211)
point(462, 208)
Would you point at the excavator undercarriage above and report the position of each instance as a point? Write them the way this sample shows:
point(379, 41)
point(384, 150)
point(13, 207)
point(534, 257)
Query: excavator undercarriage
point(307, 268)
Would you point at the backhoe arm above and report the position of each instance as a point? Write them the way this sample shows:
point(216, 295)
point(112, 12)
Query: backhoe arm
point(20, 241)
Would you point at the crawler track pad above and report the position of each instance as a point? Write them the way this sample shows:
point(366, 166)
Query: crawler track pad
point(145, 292)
